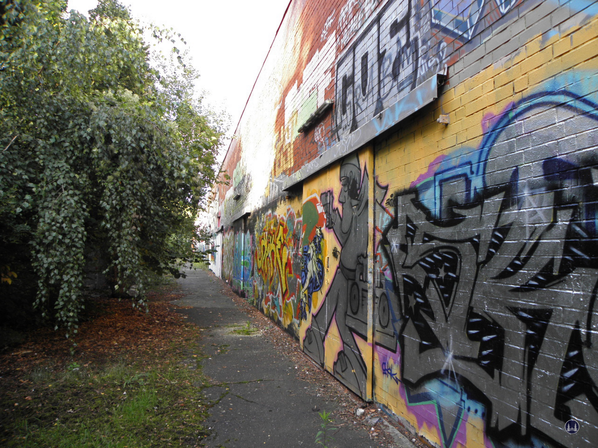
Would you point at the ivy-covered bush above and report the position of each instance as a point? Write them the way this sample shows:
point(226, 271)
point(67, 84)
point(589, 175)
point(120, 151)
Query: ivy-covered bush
point(104, 149)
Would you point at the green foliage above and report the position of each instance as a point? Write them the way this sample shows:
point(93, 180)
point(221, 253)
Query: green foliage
point(323, 436)
point(104, 149)
point(245, 330)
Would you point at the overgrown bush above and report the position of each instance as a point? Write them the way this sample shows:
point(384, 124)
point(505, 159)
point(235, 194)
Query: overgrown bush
point(104, 148)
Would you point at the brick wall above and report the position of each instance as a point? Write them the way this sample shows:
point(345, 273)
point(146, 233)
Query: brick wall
point(445, 271)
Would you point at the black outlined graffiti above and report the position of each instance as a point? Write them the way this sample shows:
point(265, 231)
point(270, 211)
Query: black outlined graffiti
point(406, 43)
point(312, 272)
point(462, 19)
point(380, 67)
point(347, 296)
point(494, 262)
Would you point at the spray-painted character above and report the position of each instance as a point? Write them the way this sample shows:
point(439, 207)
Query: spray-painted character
point(312, 272)
point(343, 300)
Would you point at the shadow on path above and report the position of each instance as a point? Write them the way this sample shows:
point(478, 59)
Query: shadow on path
point(260, 400)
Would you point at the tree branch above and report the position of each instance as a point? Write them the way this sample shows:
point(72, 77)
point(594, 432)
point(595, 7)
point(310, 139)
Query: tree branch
point(13, 139)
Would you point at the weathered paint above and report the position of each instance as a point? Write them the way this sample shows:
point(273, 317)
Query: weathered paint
point(277, 260)
point(345, 351)
point(446, 272)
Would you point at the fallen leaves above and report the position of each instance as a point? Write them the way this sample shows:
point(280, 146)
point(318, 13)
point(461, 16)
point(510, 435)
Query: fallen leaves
point(122, 363)
point(110, 327)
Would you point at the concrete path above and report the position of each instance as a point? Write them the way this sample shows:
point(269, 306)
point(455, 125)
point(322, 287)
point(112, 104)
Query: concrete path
point(260, 399)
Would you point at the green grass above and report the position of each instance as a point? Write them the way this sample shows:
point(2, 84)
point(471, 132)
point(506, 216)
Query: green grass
point(204, 266)
point(125, 403)
point(245, 330)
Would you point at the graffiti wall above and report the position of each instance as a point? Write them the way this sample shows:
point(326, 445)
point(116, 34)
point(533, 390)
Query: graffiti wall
point(336, 327)
point(486, 281)
point(277, 262)
point(414, 197)
point(236, 256)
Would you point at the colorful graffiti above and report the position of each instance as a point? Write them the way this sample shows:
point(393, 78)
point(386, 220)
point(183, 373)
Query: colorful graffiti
point(472, 312)
point(236, 257)
point(346, 298)
point(314, 247)
point(312, 272)
point(493, 265)
point(272, 257)
point(384, 64)
point(402, 48)
point(463, 19)
point(276, 258)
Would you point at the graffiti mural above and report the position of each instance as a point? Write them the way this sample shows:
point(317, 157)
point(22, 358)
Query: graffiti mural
point(314, 247)
point(312, 272)
point(463, 19)
point(431, 235)
point(277, 257)
point(406, 43)
point(492, 257)
point(346, 298)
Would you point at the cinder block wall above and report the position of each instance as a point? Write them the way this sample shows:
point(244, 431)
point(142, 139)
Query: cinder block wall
point(446, 271)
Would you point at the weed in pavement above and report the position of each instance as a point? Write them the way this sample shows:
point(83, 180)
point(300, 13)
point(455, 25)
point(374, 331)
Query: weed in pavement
point(323, 436)
point(245, 330)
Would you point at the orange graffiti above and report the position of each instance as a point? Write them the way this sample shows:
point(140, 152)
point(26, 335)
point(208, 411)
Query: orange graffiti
point(273, 258)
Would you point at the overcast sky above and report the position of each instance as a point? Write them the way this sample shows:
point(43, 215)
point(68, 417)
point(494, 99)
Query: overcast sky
point(228, 40)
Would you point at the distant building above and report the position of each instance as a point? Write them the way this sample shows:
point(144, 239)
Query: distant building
point(414, 196)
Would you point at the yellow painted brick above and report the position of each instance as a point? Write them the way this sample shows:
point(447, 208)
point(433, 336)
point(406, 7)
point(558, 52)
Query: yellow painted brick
point(548, 70)
point(502, 105)
point(473, 133)
point(452, 105)
point(502, 78)
point(460, 113)
point(521, 83)
point(485, 102)
point(562, 46)
point(504, 92)
point(472, 107)
point(517, 97)
point(570, 31)
point(588, 33)
point(431, 116)
point(578, 55)
point(461, 138)
point(472, 94)
point(482, 77)
point(533, 46)
point(508, 75)
point(473, 121)
point(448, 142)
point(589, 65)
point(501, 65)
point(552, 39)
point(488, 86)
point(468, 84)
point(518, 58)
point(460, 89)
point(448, 95)
point(536, 60)
point(455, 125)
point(432, 130)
